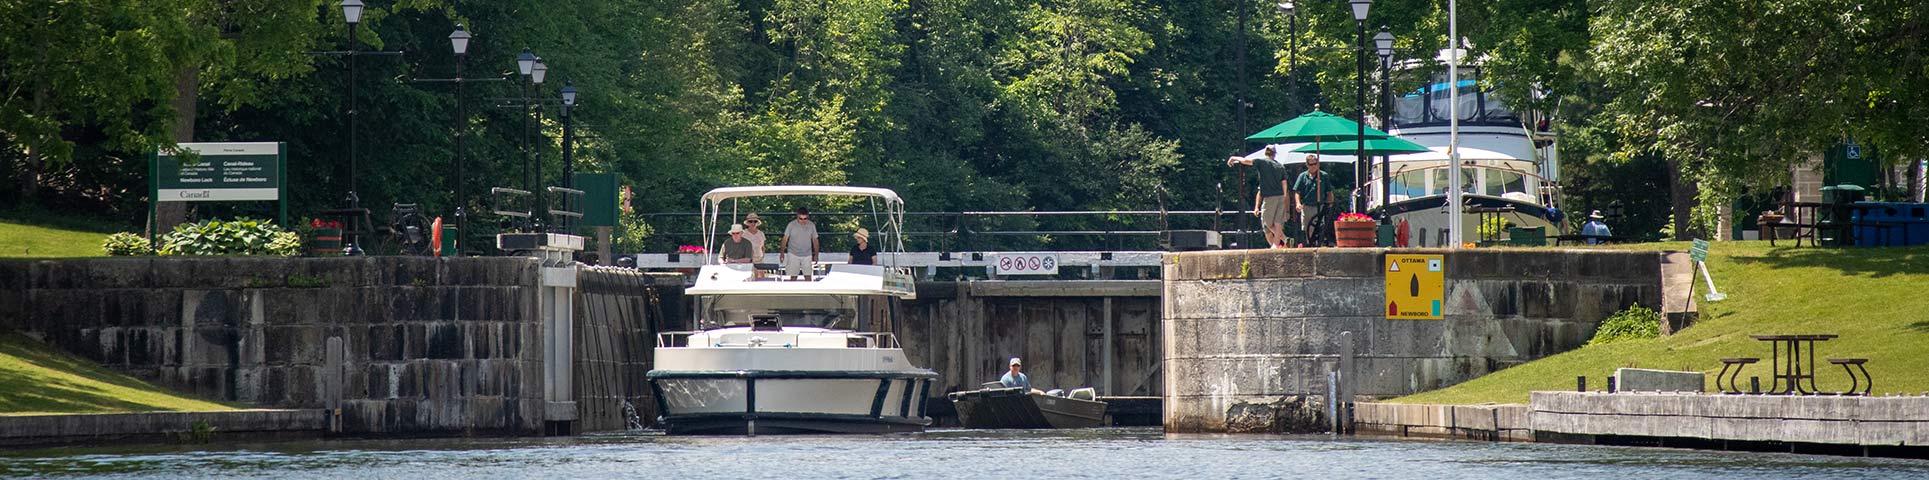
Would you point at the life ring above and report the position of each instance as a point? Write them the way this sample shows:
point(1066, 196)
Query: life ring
point(435, 236)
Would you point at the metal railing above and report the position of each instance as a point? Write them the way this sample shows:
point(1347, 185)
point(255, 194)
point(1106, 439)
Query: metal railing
point(1115, 230)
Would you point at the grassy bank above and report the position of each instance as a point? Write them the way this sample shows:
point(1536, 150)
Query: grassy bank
point(18, 240)
point(1877, 299)
point(38, 379)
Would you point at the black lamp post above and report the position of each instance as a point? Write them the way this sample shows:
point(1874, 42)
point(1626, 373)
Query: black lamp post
point(1384, 44)
point(459, 42)
point(536, 74)
point(569, 136)
point(1360, 8)
point(526, 64)
point(352, 14)
point(1292, 45)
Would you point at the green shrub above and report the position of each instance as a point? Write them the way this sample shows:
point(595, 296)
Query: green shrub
point(126, 244)
point(1637, 322)
point(239, 237)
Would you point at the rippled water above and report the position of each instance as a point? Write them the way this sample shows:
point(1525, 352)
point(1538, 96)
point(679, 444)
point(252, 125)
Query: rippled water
point(1108, 453)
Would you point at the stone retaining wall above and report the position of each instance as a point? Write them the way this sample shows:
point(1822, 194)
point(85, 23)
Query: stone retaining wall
point(1478, 422)
point(1869, 421)
point(93, 429)
point(429, 344)
point(1248, 333)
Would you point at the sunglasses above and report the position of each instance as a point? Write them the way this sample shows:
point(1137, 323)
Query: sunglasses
point(752, 222)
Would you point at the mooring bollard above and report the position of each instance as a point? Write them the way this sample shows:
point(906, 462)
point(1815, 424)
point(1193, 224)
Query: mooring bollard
point(1754, 384)
point(1610, 384)
point(1580, 383)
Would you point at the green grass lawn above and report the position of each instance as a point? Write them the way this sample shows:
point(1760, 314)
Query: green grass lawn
point(19, 240)
point(38, 379)
point(1877, 299)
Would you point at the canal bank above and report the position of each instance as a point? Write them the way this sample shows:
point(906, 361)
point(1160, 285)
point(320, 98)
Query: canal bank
point(1251, 336)
point(161, 427)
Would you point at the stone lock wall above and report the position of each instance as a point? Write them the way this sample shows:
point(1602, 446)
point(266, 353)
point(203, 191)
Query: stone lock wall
point(427, 344)
point(1250, 335)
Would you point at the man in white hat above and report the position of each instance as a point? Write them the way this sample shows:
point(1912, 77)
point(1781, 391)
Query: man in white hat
point(1016, 378)
point(737, 248)
point(1594, 230)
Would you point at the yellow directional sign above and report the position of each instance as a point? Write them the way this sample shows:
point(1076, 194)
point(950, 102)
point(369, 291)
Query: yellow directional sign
point(1415, 286)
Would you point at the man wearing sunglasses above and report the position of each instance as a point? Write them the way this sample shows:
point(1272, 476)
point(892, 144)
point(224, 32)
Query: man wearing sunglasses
point(800, 244)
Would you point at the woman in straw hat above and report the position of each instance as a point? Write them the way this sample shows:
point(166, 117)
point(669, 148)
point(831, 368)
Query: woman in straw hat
point(862, 252)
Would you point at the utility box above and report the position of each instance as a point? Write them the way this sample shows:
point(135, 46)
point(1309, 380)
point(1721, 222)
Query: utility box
point(1192, 240)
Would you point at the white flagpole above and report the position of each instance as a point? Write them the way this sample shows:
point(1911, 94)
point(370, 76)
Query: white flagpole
point(1455, 215)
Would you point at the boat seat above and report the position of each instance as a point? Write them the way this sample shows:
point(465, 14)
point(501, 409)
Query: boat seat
point(992, 385)
point(1087, 393)
point(1056, 392)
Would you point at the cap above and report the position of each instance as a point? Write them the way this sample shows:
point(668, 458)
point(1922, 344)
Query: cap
point(736, 228)
point(1014, 361)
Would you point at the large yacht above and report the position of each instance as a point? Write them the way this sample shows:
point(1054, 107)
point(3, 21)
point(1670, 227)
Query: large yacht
point(1510, 169)
point(776, 353)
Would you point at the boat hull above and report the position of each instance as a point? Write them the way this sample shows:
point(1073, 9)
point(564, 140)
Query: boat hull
point(1015, 408)
point(763, 402)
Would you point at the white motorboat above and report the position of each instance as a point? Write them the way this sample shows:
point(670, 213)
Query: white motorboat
point(1509, 166)
point(792, 354)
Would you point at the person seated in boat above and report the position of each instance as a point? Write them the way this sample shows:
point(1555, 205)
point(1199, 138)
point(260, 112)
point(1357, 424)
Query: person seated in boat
point(800, 244)
point(1016, 377)
point(862, 252)
point(1595, 230)
point(737, 249)
point(753, 231)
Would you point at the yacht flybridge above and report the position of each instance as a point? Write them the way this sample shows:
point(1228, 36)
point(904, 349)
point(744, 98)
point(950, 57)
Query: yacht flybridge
point(777, 353)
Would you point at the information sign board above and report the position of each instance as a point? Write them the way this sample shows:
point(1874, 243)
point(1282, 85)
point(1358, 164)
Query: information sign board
point(1415, 287)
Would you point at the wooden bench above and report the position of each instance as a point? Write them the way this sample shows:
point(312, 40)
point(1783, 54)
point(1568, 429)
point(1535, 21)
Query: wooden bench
point(1867, 383)
point(1738, 363)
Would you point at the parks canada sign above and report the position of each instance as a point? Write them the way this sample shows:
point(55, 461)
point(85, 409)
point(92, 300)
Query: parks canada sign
point(220, 172)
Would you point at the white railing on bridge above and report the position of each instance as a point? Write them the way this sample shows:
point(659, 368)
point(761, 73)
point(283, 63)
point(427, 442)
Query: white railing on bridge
point(929, 261)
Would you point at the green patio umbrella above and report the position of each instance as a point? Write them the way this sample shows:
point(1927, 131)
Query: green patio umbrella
point(1374, 147)
point(1316, 126)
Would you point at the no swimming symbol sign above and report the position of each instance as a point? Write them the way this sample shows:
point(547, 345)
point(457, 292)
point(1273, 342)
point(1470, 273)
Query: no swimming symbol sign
point(1415, 287)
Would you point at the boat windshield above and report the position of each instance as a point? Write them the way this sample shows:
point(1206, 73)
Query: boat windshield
point(838, 312)
point(1433, 105)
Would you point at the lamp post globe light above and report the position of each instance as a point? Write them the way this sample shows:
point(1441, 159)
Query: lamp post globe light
point(1292, 43)
point(569, 136)
point(536, 74)
point(1383, 44)
point(1360, 8)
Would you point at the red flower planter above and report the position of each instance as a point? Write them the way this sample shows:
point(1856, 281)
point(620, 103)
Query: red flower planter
point(1354, 234)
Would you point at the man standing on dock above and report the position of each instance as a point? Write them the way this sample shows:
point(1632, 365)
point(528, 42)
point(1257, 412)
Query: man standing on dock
point(1311, 193)
point(1270, 203)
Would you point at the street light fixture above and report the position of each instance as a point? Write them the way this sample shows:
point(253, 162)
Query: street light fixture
point(537, 72)
point(459, 40)
point(352, 11)
point(525, 61)
point(1360, 8)
point(1384, 44)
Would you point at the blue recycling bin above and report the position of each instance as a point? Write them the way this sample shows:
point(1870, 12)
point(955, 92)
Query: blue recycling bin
point(1910, 224)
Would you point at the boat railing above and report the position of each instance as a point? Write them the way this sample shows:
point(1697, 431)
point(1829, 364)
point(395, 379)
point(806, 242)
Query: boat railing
point(674, 339)
point(873, 340)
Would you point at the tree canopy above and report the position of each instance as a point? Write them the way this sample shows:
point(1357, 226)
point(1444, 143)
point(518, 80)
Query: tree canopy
point(957, 104)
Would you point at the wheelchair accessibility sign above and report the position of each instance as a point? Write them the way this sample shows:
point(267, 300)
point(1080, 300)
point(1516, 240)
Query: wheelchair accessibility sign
point(1415, 287)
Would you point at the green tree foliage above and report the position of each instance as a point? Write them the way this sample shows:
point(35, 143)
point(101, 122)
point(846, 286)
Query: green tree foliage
point(958, 104)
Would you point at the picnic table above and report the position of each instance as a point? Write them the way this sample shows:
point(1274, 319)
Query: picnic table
point(1805, 219)
point(1792, 370)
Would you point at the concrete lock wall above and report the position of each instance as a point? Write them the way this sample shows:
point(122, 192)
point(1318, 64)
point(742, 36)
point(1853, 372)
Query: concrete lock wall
point(1068, 332)
point(427, 345)
point(1250, 335)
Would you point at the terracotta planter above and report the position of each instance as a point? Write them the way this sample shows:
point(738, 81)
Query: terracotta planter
point(1354, 234)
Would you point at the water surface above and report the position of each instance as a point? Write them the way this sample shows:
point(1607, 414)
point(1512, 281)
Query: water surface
point(1096, 453)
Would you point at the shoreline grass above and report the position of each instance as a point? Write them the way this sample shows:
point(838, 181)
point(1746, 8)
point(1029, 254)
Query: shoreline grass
point(1876, 299)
